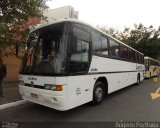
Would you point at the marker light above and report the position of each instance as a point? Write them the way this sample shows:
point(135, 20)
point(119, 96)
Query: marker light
point(53, 87)
point(58, 87)
point(21, 82)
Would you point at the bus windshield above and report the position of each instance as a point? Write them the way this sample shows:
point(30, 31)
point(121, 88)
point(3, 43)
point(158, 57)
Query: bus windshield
point(45, 51)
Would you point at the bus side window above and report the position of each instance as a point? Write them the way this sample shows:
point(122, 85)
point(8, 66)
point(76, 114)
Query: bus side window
point(100, 44)
point(136, 57)
point(131, 55)
point(80, 53)
point(123, 52)
point(104, 45)
point(96, 42)
point(79, 57)
point(114, 48)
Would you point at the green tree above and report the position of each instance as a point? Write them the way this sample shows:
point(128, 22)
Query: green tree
point(145, 40)
point(111, 31)
point(14, 15)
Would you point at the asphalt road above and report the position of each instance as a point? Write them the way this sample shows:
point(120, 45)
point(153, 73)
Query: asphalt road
point(133, 103)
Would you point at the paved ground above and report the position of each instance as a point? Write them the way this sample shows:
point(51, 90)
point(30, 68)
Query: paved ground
point(11, 93)
point(133, 103)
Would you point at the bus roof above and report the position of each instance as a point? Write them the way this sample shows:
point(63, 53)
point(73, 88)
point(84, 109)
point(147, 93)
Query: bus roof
point(147, 57)
point(84, 23)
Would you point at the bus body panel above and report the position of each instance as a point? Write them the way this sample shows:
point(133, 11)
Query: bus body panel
point(80, 87)
point(80, 90)
point(54, 99)
point(102, 65)
point(121, 73)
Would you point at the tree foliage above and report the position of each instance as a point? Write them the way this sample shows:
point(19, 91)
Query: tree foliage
point(111, 31)
point(14, 15)
point(143, 39)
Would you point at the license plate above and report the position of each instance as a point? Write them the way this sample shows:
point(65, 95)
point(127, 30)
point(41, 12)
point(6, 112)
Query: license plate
point(34, 95)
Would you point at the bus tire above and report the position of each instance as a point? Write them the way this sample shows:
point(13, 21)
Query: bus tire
point(98, 93)
point(138, 79)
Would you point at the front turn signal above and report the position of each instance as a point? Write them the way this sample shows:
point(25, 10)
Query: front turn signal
point(59, 88)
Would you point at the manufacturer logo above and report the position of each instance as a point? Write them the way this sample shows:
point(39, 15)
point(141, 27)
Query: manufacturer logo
point(78, 91)
point(32, 78)
point(139, 67)
point(94, 69)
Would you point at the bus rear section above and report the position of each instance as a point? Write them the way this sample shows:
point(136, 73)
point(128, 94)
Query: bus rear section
point(151, 67)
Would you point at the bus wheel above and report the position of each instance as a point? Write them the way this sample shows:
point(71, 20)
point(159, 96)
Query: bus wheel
point(98, 93)
point(138, 79)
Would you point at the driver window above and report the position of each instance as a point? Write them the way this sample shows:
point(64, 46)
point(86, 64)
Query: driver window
point(79, 50)
point(81, 46)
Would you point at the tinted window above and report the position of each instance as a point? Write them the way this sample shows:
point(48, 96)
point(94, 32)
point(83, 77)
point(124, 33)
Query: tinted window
point(84, 27)
point(114, 48)
point(131, 55)
point(81, 52)
point(79, 57)
point(104, 45)
point(141, 58)
point(81, 34)
point(146, 62)
point(46, 51)
point(153, 62)
point(136, 57)
point(96, 42)
point(123, 52)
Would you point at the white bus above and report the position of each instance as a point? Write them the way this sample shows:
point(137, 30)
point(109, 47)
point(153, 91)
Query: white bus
point(151, 67)
point(69, 63)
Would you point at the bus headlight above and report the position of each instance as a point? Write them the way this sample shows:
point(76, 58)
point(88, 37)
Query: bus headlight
point(53, 87)
point(47, 86)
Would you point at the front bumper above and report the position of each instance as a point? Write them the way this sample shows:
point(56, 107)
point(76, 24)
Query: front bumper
point(52, 99)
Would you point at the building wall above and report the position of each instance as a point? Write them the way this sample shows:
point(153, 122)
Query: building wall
point(60, 13)
point(12, 63)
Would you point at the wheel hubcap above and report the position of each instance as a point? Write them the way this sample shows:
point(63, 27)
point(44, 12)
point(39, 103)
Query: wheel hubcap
point(99, 94)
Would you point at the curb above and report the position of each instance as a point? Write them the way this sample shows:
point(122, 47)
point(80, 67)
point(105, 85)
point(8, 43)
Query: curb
point(13, 104)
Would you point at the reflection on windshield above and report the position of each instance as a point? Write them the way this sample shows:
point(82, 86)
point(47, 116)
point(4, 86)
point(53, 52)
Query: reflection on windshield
point(45, 53)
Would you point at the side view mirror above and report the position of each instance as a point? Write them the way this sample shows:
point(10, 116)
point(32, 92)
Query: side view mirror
point(73, 44)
